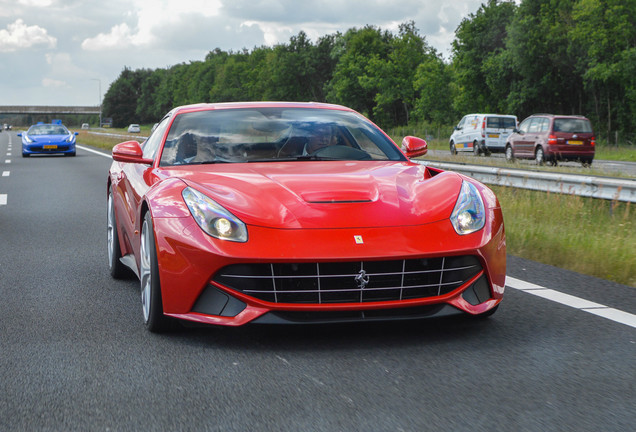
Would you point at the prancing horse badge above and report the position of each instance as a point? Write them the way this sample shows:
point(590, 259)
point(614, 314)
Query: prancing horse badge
point(358, 239)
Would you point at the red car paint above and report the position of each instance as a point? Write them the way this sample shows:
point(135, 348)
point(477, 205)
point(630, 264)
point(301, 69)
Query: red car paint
point(299, 212)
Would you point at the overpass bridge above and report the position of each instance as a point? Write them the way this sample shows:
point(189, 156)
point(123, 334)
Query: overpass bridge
point(49, 109)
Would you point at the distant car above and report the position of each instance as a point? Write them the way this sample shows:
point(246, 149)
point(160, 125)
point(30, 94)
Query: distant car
point(553, 138)
point(134, 128)
point(482, 133)
point(281, 212)
point(44, 138)
point(85, 126)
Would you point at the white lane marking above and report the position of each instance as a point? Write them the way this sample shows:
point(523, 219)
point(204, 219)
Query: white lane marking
point(5, 173)
point(9, 154)
point(7, 161)
point(598, 309)
point(94, 151)
point(3, 199)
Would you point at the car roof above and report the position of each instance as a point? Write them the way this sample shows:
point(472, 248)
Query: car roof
point(558, 115)
point(235, 105)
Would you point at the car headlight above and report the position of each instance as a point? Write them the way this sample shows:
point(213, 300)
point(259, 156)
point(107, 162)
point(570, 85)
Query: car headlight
point(70, 138)
point(27, 139)
point(469, 214)
point(213, 218)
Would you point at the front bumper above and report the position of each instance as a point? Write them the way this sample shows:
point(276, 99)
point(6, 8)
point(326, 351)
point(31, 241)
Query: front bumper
point(190, 262)
point(38, 148)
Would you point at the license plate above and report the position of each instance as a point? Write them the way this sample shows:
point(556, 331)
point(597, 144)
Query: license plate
point(493, 135)
point(49, 147)
point(575, 142)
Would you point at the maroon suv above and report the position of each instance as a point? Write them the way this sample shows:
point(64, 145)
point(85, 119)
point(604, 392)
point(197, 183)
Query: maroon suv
point(552, 138)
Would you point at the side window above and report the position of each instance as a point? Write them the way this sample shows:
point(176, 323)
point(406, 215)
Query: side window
point(545, 125)
point(523, 127)
point(152, 143)
point(534, 125)
point(461, 123)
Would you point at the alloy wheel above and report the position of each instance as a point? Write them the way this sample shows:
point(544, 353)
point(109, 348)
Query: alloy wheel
point(111, 231)
point(145, 271)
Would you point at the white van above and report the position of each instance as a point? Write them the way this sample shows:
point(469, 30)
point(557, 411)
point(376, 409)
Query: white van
point(482, 133)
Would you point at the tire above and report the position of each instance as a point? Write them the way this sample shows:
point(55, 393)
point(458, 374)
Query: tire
point(117, 269)
point(453, 149)
point(476, 149)
point(586, 163)
point(151, 303)
point(539, 156)
point(510, 156)
point(25, 155)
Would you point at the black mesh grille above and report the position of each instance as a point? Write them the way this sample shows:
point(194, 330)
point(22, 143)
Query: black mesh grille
point(350, 282)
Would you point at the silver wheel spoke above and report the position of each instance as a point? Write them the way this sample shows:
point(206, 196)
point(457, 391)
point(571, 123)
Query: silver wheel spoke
point(110, 229)
point(144, 271)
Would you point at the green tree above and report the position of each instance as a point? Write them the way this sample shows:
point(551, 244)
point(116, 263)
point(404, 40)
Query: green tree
point(433, 86)
point(120, 101)
point(543, 59)
point(391, 77)
point(355, 50)
point(604, 36)
point(481, 76)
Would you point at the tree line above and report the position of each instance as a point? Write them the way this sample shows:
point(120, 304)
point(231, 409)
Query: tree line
point(558, 56)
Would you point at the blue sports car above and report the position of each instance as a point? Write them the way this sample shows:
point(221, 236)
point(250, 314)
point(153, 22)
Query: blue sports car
point(48, 138)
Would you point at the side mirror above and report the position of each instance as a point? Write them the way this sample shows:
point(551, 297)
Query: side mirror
point(130, 152)
point(414, 146)
point(19, 134)
point(76, 133)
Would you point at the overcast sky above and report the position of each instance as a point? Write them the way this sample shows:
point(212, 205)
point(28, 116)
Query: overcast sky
point(59, 52)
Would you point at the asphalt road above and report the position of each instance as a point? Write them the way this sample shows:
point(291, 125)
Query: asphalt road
point(74, 354)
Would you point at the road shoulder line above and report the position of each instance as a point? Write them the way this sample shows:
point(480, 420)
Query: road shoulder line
point(598, 309)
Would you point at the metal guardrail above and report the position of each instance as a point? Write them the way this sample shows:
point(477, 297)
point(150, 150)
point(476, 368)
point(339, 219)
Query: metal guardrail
point(573, 184)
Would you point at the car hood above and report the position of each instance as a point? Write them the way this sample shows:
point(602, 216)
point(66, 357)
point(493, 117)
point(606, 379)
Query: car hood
point(327, 194)
point(49, 138)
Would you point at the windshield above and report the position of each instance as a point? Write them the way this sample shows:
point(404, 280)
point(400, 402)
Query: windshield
point(501, 122)
point(572, 125)
point(47, 129)
point(274, 134)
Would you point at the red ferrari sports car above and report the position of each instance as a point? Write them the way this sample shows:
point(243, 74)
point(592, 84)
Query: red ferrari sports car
point(264, 212)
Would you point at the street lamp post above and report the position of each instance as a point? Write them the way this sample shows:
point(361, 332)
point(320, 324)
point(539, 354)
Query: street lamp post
point(99, 82)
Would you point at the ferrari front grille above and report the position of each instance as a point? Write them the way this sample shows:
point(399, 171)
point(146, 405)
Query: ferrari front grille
point(350, 282)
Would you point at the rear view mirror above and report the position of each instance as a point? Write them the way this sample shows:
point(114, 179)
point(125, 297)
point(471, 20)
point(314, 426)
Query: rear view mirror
point(130, 152)
point(414, 146)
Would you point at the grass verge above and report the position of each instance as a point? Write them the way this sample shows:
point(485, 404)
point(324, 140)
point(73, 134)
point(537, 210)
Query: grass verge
point(590, 236)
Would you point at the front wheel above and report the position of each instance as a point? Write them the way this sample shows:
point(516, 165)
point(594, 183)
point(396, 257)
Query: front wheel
point(476, 150)
point(151, 303)
point(453, 149)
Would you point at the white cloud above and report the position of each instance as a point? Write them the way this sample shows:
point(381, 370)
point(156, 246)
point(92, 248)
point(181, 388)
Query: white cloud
point(20, 36)
point(152, 17)
point(36, 3)
point(120, 36)
point(48, 82)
